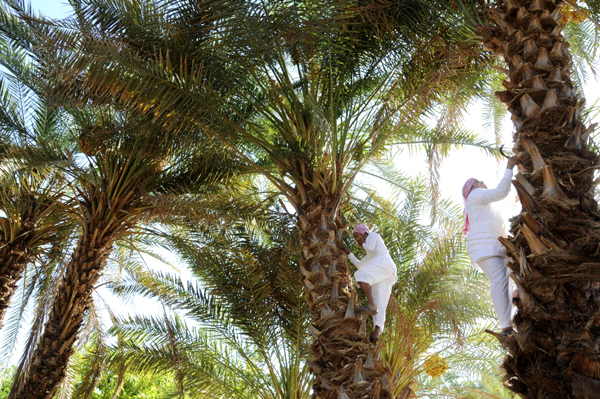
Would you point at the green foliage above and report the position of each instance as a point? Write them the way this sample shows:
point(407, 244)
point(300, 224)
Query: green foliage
point(297, 89)
point(5, 382)
point(132, 386)
point(146, 386)
point(308, 94)
point(251, 317)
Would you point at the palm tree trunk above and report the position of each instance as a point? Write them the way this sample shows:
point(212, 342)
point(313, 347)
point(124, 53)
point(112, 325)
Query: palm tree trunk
point(14, 257)
point(48, 364)
point(343, 361)
point(556, 239)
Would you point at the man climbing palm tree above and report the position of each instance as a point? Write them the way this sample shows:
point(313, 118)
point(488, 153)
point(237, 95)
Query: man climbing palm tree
point(376, 276)
point(483, 225)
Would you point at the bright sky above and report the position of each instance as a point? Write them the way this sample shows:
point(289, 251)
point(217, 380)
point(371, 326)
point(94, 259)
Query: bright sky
point(458, 167)
point(52, 8)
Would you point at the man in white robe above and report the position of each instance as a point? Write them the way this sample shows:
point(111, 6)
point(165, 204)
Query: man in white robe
point(484, 224)
point(376, 275)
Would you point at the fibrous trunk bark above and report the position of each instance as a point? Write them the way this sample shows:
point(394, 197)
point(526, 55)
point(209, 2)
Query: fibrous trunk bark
point(343, 360)
point(48, 364)
point(555, 243)
point(14, 257)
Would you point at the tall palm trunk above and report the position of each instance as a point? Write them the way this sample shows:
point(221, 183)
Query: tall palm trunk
point(556, 238)
point(48, 364)
point(14, 257)
point(343, 361)
point(108, 197)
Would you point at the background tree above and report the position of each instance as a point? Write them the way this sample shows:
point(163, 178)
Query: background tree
point(241, 333)
point(127, 172)
point(31, 222)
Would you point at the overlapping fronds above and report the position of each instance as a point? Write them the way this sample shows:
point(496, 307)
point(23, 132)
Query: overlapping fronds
point(33, 228)
point(127, 162)
point(251, 335)
point(293, 81)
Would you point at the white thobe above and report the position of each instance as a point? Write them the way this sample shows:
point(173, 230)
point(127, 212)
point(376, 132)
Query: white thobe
point(379, 271)
point(486, 222)
point(486, 225)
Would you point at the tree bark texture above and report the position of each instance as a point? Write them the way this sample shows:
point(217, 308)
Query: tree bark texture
point(14, 257)
point(49, 361)
point(343, 360)
point(555, 243)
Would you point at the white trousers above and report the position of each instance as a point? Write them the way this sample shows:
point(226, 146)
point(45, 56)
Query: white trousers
point(496, 268)
point(381, 279)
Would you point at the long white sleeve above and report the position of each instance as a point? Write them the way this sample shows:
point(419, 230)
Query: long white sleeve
point(484, 196)
point(359, 263)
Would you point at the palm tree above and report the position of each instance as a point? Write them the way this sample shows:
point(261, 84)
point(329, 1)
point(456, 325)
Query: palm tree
point(31, 223)
point(555, 238)
point(129, 170)
point(305, 85)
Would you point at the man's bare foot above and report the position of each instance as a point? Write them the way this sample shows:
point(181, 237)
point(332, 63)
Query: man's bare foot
point(374, 337)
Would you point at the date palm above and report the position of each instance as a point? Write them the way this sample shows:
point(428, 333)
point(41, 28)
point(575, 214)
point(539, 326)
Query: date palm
point(129, 170)
point(555, 237)
point(305, 85)
point(31, 222)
